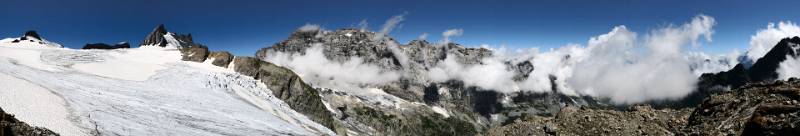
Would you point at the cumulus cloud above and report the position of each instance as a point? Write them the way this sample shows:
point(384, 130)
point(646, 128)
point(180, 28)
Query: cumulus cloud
point(621, 65)
point(316, 69)
point(451, 32)
point(615, 69)
point(701, 63)
point(765, 39)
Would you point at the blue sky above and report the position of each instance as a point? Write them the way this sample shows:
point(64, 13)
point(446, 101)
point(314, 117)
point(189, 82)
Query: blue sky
point(242, 26)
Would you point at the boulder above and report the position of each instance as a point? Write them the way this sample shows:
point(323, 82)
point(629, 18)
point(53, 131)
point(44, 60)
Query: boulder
point(196, 53)
point(221, 58)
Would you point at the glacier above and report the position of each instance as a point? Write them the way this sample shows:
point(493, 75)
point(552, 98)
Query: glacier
point(139, 91)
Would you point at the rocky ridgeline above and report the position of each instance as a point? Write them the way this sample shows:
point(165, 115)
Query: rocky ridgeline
point(467, 103)
point(763, 70)
point(33, 38)
point(10, 126)
point(283, 83)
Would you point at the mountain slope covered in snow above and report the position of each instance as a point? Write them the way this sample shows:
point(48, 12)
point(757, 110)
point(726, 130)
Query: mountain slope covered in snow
point(140, 91)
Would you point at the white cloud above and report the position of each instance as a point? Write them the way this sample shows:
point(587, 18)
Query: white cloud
point(451, 32)
point(490, 74)
point(617, 70)
point(791, 66)
point(309, 28)
point(363, 25)
point(765, 39)
point(389, 26)
point(316, 69)
point(423, 36)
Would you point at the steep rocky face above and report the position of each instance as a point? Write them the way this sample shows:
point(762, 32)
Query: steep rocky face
point(10, 126)
point(106, 46)
point(762, 70)
point(413, 60)
point(287, 86)
point(753, 109)
point(221, 58)
point(31, 34)
point(156, 37)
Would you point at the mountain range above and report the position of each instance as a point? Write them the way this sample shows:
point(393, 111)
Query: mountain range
point(358, 82)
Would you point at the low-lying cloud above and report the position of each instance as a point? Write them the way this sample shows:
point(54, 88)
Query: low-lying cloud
point(622, 65)
point(316, 69)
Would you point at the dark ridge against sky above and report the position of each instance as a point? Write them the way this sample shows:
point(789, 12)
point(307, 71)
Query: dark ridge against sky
point(243, 26)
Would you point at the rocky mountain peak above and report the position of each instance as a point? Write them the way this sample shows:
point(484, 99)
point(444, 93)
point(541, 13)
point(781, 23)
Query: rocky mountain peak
point(156, 37)
point(31, 34)
point(764, 68)
point(163, 38)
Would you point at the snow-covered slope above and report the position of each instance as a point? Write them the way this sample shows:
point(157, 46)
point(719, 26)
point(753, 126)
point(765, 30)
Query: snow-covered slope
point(143, 91)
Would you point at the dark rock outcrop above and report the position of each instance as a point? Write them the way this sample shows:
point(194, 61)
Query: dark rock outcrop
point(196, 53)
point(763, 70)
point(10, 126)
point(287, 86)
point(31, 34)
point(753, 109)
point(106, 46)
point(221, 58)
point(156, 38)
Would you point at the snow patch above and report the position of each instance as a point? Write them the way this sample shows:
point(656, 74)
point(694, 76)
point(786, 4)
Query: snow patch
point(440, 110)
point(36, 106)
point(136, 64)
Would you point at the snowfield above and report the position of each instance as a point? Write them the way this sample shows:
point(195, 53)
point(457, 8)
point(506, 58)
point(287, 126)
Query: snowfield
point(141, 91)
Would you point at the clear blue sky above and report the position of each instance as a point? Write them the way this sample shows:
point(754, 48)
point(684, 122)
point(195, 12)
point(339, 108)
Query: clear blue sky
point(243, 26)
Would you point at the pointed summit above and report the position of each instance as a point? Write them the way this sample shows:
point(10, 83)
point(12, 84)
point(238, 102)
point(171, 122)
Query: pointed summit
point(156, 38)
point(31, 34)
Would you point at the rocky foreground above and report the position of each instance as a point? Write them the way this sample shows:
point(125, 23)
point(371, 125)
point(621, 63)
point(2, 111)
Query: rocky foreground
point(754, 109)
point(10, 126)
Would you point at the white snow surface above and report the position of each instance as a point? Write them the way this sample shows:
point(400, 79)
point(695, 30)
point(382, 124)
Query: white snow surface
point(147, 91)
point(38, 106)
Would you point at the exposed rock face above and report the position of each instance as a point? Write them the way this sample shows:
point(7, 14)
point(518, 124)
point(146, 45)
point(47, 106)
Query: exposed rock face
point(196, 53)
point(753, 109)
point(287, 86)
point(10, 126)
point(33, 38)
point(762, 70)
point(640, 120)
point(469, 104)
point(106, 46)
point(31, 34)
point(156, 38)
point(221, 58)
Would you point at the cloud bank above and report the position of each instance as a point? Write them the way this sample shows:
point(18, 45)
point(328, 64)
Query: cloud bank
point(621, 65)
point(765, 39)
